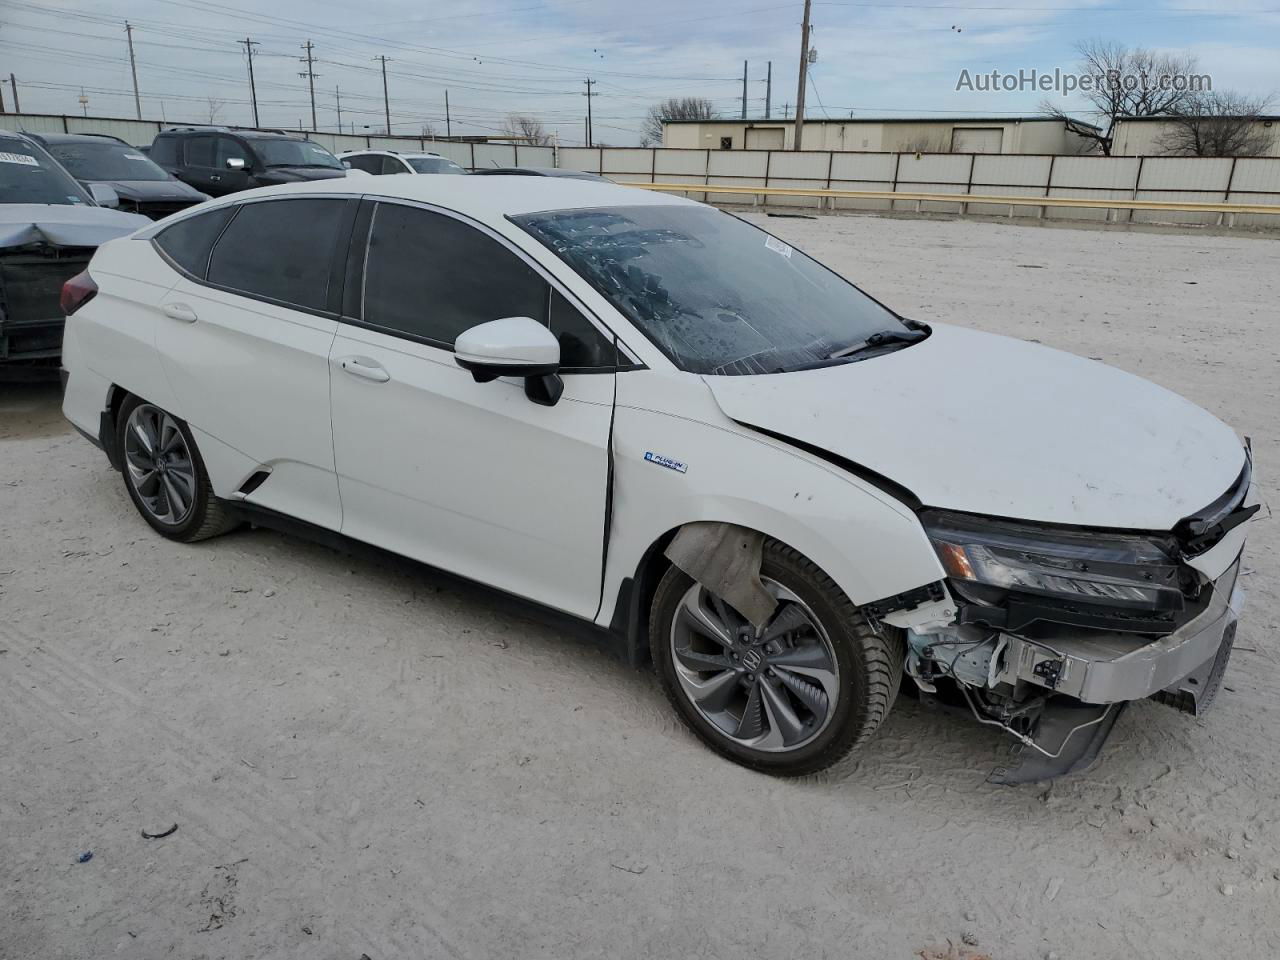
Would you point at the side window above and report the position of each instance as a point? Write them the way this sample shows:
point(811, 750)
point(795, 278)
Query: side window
point(366, 163)
point(230, 149)
point(392, 165)
point(432, 277)
point(164, 150)
point(281, 250)
point(581, 344)
point(200, 151)
point(188, 241)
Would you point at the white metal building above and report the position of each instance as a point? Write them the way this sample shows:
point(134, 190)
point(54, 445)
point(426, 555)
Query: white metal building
point(1025, 135)
point(1147, 136)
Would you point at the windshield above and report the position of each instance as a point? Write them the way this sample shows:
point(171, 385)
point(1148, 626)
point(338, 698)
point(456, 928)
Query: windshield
point(107, 160)
point(295, 153)
point(434, 165)
point(29, 175)
point(715, 294)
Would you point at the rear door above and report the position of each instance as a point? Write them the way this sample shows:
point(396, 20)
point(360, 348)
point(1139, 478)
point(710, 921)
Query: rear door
point(245, 338)
point(198, 161)
point(470, 477)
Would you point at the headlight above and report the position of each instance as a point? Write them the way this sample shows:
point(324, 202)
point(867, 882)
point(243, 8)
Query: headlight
point(1128, 571)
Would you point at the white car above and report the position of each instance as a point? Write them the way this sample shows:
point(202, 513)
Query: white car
point(383, 162)
point(649, 415)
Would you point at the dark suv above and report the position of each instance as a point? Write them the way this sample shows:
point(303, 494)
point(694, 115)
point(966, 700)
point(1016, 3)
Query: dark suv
point(219, 161)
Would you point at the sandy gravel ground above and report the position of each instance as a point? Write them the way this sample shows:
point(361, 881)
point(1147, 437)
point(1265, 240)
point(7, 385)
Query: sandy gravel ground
point(366, 760)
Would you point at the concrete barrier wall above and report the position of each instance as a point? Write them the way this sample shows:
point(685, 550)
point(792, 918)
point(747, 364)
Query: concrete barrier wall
point(1170, 179)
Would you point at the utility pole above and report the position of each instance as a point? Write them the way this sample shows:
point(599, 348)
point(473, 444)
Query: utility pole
point(744, 89)
point(386, 102)
point(1, 98)
point(13, 83)
point(253, 90)
point(448, 123)
point(804, 71)
point(337, 95)
point(768, 89)
point(309, 60)
point(133, 68)
point(589, 95)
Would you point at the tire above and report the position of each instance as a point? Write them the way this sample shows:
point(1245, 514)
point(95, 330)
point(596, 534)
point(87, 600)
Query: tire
point(719, 691)
point(172, 493)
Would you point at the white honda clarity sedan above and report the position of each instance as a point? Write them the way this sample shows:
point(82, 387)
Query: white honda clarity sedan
point(647, 414)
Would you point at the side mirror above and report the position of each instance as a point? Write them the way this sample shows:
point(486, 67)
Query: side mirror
point(104, 195)
point(513, 347)
point(235, 163)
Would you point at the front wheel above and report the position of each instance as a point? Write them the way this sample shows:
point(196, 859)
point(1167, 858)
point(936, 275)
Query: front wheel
point(791, 699)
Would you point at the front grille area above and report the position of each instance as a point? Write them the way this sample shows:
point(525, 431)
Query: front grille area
point(1204, 529)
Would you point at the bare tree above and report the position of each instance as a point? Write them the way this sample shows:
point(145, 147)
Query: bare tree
point(527, 129)
point(925, 143)
point(674, 108)
point(1125, 82)
point(215, 108)
point(1219, 124)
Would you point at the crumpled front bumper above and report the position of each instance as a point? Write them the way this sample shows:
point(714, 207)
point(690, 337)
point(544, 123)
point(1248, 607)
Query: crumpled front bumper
point(1113, 668)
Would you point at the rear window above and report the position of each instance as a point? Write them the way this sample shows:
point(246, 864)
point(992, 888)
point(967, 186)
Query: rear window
point(29, 175)
point(107, 160)
point(434, 165)
point(188, 242)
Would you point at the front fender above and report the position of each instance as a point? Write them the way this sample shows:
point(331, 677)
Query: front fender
point(869, 543)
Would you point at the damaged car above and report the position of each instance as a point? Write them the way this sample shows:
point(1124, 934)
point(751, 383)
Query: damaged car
point(653, 417)
point(49, 227)
point(141, 186)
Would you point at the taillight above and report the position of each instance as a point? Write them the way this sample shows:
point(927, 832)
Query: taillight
point(76, 292)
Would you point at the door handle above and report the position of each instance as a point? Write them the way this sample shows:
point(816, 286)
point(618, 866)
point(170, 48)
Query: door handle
point(365, 368)
point(179, 311)
point(215, 177)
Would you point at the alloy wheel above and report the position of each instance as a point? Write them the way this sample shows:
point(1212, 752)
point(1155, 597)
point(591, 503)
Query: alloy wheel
point(774, 689)
point(159, 465)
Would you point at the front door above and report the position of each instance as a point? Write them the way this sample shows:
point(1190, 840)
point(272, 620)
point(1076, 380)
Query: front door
point(470, 477)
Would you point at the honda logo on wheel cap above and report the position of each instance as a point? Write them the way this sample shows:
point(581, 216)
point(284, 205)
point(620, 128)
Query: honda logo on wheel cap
point(752, 659)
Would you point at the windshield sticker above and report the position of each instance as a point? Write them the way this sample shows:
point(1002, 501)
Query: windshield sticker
point(667, 462)
point(777, 246)
point(133, 156)
point(19, 158)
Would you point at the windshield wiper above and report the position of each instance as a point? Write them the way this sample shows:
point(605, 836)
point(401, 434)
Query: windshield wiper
point(876, 340)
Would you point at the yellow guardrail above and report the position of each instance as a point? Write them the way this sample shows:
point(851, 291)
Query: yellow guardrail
point(965, 199)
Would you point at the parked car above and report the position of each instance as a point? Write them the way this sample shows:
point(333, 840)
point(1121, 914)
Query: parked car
point(382, 162)
point(219, 160)
point(540, 172)
point(141, 185)
point(49, 227)
point(653, 417)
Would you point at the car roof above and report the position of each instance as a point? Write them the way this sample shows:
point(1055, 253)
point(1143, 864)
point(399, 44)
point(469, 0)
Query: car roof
point(391, 153)
point(49, 139)
point(488, 199)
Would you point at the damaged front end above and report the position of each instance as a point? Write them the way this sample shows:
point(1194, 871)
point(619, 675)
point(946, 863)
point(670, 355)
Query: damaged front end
point(1056, 628)
point(31, 320)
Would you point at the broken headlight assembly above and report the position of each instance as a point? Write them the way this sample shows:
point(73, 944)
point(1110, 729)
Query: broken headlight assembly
point(1014, 574)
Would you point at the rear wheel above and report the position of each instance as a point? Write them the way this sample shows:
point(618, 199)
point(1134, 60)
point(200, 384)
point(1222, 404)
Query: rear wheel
point(165, 476)
point(790, 699)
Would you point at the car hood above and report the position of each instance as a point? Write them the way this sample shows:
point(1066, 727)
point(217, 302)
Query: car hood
point(988, 424)
point(292, 174)
point(145, 191)
point(64, 225)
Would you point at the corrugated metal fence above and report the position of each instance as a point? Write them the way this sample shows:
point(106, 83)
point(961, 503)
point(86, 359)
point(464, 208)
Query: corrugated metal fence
point(1170, 179)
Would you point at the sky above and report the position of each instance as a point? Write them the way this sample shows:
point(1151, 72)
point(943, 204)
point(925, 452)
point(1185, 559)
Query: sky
point(531, 57)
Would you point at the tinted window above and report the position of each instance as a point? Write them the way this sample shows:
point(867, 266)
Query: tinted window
point(392, 165)
point(581, 344)
point(287, 152)
point(280, 249)
point(164, 150)
point(200, 152)
point(188, 242)
point(105, 160)
point(29, 175)
point(230, 148)
point(432, 276)
point(366, 163)
point(434, 165)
